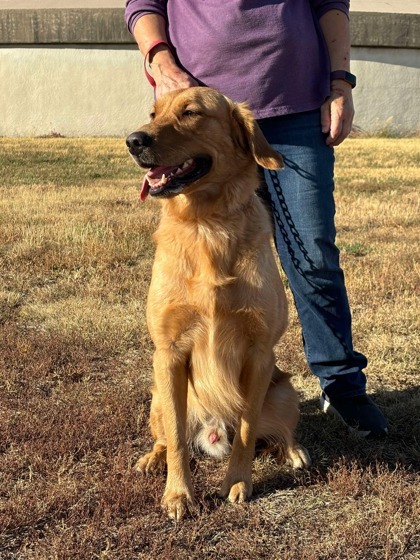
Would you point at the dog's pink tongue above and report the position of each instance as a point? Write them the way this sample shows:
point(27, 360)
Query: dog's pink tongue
point(155, 174)
point(153, 177)
point(145, 188)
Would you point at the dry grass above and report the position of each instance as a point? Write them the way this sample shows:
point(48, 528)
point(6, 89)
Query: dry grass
point(75, 363)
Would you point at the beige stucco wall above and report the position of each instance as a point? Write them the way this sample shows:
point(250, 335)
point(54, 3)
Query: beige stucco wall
point(388, 90)
point(71, 91)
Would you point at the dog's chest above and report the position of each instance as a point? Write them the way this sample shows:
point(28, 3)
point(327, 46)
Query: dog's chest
point(212, 279)
point(207, 281)
point(212, 298)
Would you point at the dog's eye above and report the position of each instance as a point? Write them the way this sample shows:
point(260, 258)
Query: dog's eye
point(152, 116)
point(189, 113)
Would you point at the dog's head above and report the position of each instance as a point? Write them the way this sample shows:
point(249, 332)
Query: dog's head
point(197, 137)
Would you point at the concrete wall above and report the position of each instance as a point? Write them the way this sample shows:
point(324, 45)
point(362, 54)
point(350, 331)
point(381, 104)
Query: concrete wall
point(73, 90)
point(76, 72)
point(387, 97)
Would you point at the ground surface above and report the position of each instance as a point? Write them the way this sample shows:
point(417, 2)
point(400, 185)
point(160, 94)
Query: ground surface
point(75, 366)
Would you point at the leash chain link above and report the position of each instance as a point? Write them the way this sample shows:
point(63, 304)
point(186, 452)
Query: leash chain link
point(289, 220)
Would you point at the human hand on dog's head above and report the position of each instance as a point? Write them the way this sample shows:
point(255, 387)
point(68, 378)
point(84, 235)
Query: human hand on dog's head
point(168, 76)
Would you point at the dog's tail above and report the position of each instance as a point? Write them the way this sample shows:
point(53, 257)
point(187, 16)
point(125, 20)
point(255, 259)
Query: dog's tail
point(280, 412)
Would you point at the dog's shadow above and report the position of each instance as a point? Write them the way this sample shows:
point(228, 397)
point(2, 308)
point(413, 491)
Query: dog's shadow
point(329, 444)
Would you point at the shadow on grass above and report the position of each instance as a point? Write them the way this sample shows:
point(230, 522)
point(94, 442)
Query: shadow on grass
point(329, 444)
point(327, 439)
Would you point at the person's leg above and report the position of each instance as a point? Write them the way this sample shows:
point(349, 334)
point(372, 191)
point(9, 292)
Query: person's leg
point(301, 197)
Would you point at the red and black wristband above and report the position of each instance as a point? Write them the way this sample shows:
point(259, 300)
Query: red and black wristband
point(146, 56)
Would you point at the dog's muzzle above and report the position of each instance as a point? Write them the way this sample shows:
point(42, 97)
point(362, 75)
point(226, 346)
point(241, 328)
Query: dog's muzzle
point(161, 179)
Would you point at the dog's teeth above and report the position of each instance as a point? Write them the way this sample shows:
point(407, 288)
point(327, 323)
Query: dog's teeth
point(164, 179)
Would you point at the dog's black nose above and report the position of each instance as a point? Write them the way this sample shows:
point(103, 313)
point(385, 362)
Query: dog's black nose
point(137, 141)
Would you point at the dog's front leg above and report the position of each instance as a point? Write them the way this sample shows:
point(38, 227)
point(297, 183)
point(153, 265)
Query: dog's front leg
point(237, 485)
point(172, 382)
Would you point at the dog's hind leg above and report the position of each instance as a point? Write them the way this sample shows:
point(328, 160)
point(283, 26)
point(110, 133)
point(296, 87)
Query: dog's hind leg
point(298, 456)
point(155, 461)
point(278, 421)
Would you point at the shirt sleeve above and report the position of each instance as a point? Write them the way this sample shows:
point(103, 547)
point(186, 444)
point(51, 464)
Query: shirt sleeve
point(135, 9)
point(322, 6)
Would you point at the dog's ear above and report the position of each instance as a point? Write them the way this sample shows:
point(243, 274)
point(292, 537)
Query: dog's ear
point(247, 134)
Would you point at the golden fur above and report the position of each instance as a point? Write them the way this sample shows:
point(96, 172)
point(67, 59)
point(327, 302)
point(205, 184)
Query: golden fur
point(216, 305)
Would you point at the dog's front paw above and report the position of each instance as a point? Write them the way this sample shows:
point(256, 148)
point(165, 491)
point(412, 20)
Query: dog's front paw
point(298, 457)
point(152, 462)
point(178, 504)
point(236, 492)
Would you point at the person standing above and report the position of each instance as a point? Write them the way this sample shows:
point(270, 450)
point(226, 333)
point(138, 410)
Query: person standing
point(290, 61)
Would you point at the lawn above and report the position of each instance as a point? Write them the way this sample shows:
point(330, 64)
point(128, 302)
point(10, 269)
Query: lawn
point(75, 368)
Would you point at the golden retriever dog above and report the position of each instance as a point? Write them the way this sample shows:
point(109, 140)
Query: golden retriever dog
point(216, 305)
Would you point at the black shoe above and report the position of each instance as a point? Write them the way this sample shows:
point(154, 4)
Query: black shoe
point(360, 414)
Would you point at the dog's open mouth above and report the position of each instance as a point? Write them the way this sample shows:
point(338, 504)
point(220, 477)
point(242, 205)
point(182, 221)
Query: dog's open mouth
point(166, 181)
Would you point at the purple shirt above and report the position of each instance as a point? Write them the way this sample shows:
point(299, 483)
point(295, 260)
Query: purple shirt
point(270, 54)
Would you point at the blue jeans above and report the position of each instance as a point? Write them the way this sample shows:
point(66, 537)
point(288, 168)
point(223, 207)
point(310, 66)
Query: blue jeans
point(302, 203)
